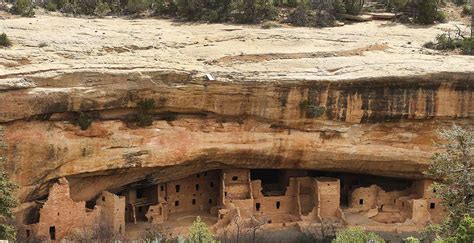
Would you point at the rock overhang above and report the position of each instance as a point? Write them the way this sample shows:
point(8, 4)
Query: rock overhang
point(332, 99)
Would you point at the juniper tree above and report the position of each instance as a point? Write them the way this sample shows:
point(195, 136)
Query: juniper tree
point(199, 232)
point(7, 199)
point(453, 169)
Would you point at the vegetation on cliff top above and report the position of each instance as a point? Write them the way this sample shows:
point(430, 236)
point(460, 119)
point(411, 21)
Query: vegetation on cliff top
point(298, 12)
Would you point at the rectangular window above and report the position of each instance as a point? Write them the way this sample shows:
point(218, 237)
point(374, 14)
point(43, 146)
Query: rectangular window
point(177, 187)
point(162, 188)
point(257, 206)
point(176, 203)
point(278, 205)
point(210, 201)
point(197, 187)
point(194, 201)
point(432, 205)
point(361, 201)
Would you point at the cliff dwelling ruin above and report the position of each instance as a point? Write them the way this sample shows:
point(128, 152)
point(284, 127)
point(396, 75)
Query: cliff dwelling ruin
point(275, 198)
point(122, 126)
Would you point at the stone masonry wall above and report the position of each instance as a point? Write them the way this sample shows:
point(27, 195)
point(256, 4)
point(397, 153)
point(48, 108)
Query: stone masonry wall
point(61, 216)
point(196, 192)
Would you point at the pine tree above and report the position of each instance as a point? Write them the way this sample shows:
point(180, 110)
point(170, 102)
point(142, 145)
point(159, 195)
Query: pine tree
point(199, 232)
point(454, 170)
point(7, 199)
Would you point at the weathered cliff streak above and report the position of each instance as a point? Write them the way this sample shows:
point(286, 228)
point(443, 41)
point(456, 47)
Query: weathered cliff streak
point(375, 126)
point(355, 101)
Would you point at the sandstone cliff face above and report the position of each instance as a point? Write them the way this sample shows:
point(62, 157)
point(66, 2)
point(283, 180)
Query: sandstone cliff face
point(374, 126)
point(343, 99)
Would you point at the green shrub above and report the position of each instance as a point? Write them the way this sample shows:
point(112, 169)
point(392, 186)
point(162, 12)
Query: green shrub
point(254, 11)
point(4, 40)
point(199, 232)
point(59, 3)
point(460, 2)
point(353, 6)
point(84, 121)
point(144, 116)
point(23, 8)
point(137, 6)
point(144, 120)
point(190, 9)
point(164, 7)
point(50, 6)
point(301, 16)
point(68, 8)
point(442, 17)
point(102, 9)
point(304, 15)
point(86, 7)
point(356, 235)
point(467, 46)
point(312, 111)
point(412, 239)
point(398, 5)
point(447, 42)
point(466, 10)
point(427, 11)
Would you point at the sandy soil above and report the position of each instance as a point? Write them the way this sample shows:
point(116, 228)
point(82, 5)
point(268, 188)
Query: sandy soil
point(47, 45)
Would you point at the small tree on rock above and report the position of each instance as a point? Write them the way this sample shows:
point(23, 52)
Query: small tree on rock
point(199, 232)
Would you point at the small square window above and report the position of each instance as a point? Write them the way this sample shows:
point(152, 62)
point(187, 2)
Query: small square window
point(234, 178)
point(176, 203)
point(361, 201)
point(432, 205)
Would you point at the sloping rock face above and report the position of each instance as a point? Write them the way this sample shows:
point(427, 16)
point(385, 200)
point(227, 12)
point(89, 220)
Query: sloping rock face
point(379, 126)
